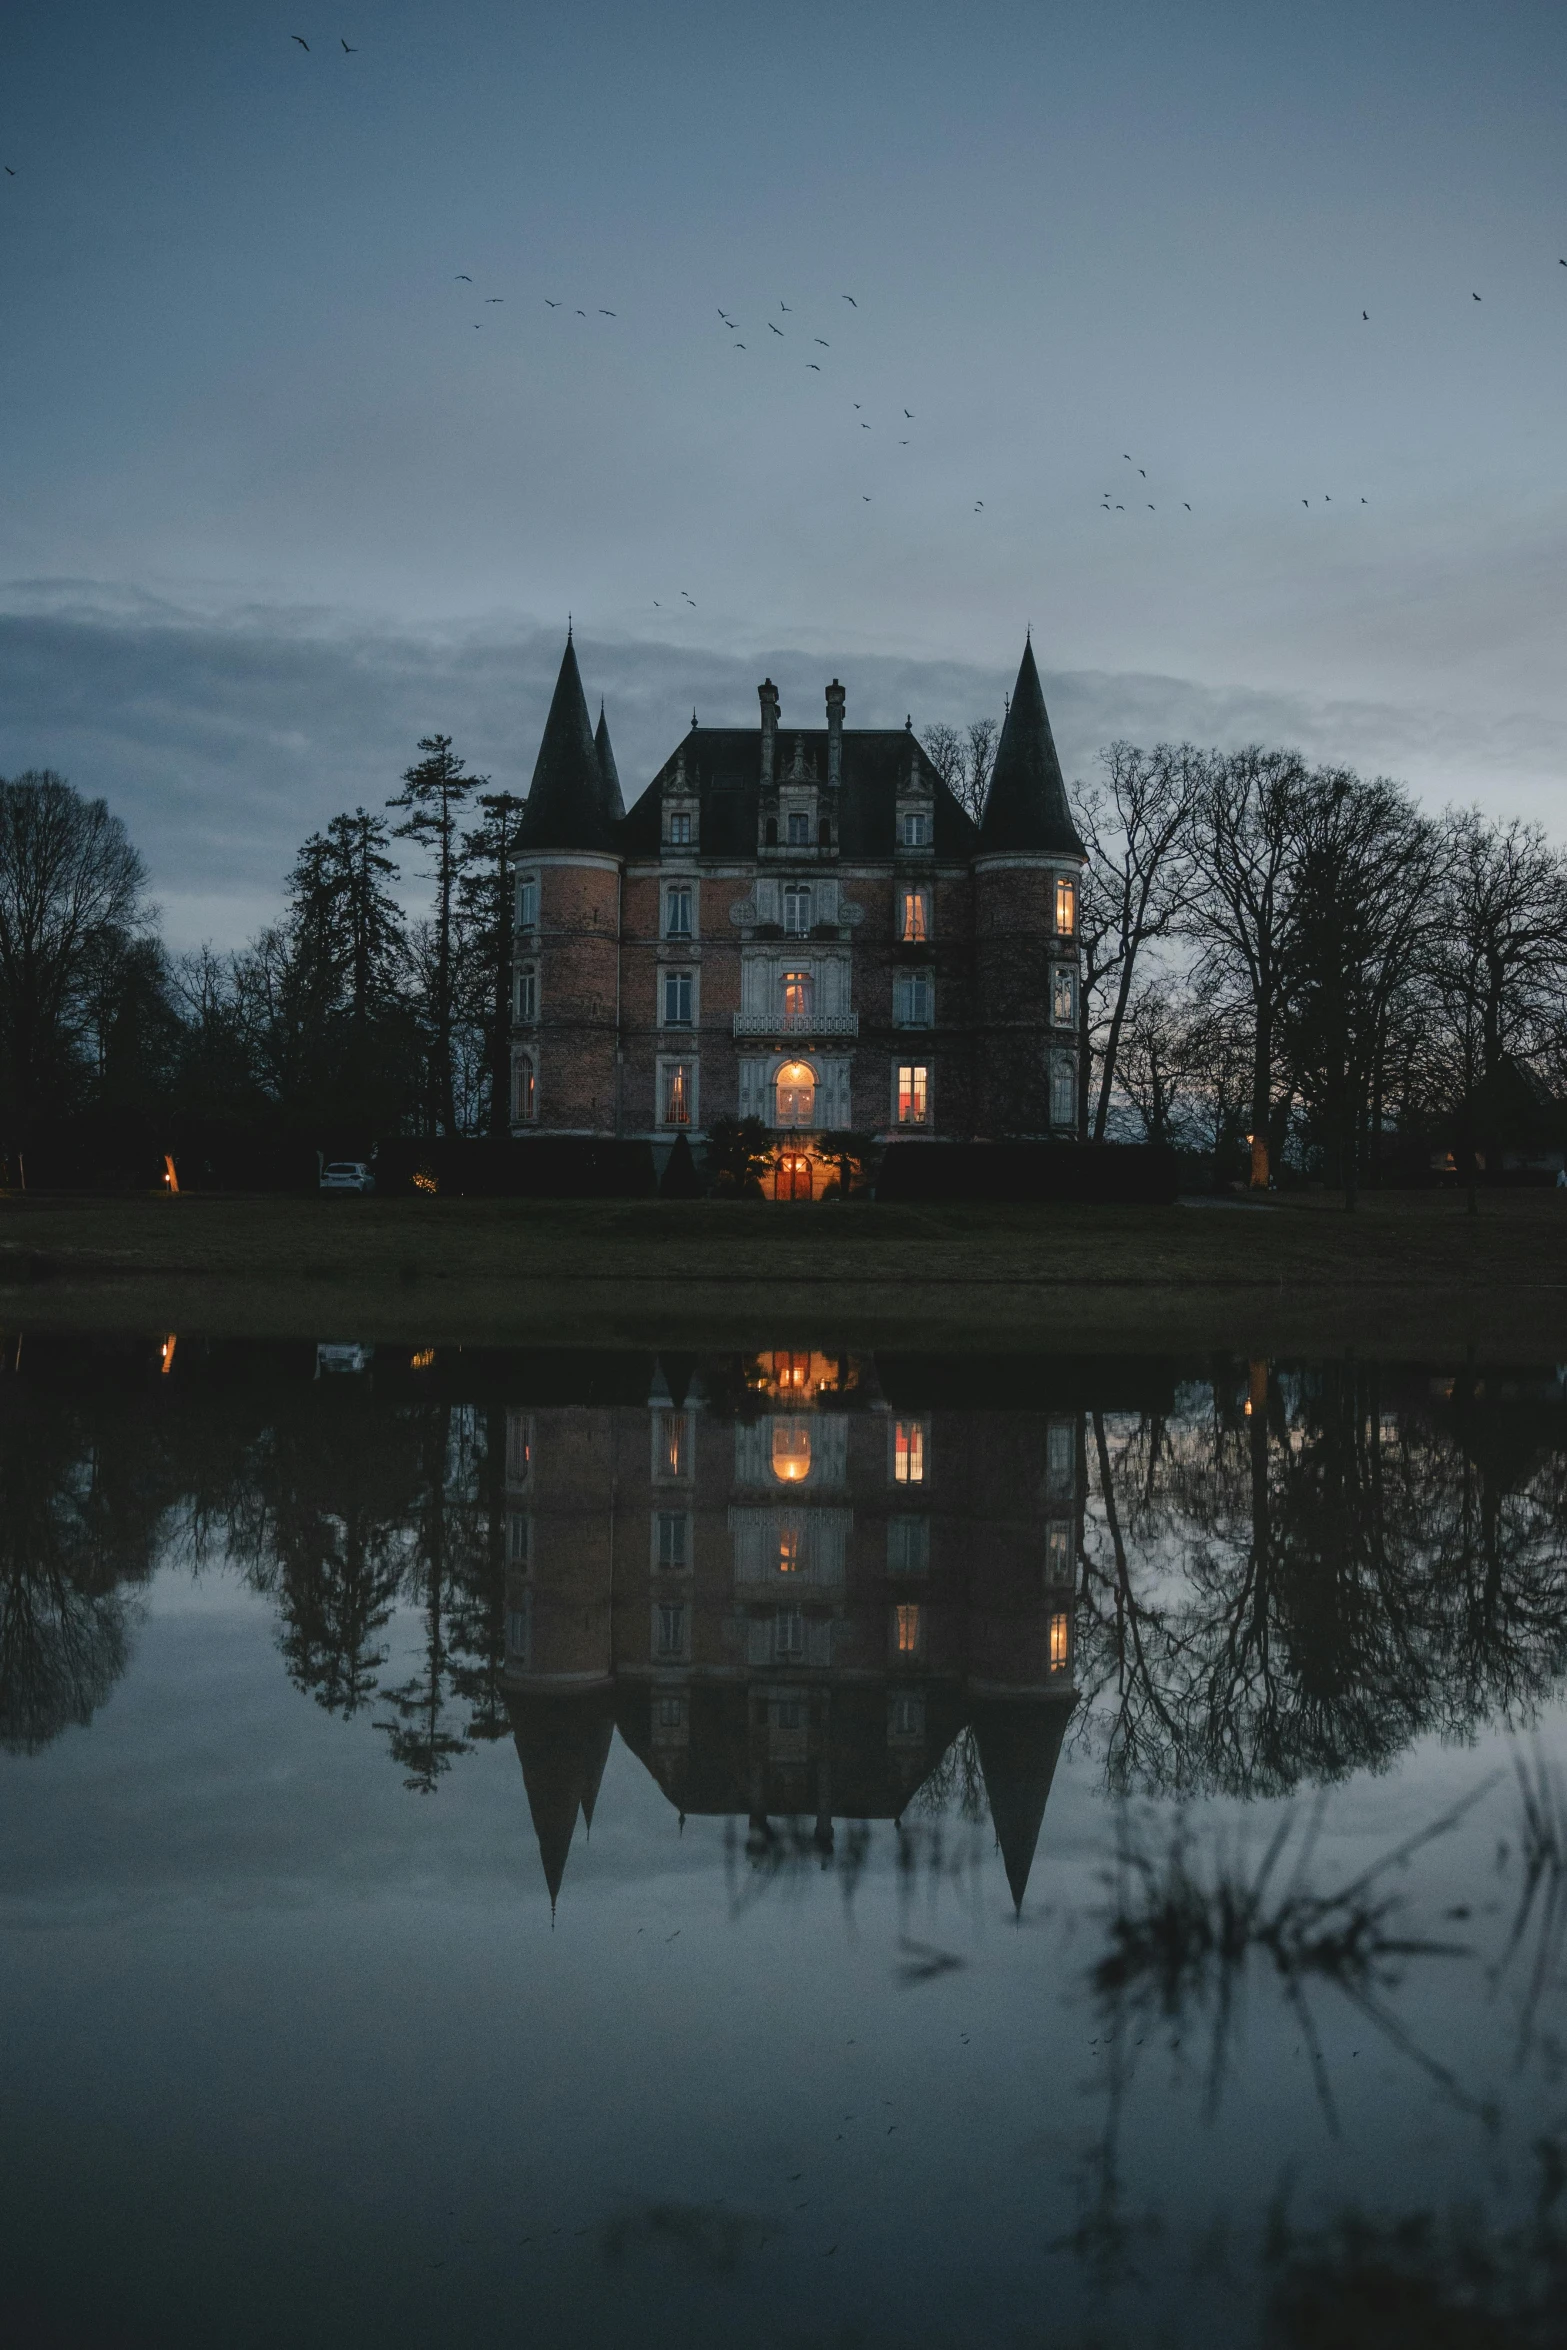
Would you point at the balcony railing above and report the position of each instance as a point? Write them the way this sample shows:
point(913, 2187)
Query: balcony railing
point(797, 1023)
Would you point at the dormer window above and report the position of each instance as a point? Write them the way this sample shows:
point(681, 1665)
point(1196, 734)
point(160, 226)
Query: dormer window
point(680, 831)
point(797, 909)
point(916, 829)
point(528, 902)
point(799, 829)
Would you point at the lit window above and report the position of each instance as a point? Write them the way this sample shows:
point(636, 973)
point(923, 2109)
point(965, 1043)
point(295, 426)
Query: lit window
point(914, 917)
point(1063, 997)
point(527, 995)
point(670, 1630)
point(908, 1452)
point(674, 1551)
point(797, 909)
point(519, 1540)
point(677, 999)
point(908, 1546)
point(1058, 1552)
point(913, 1000)
point(906, 1630)
point(680, 832)
point(913, 1094)
point(672, 1444)
point(1060, 1641)
point(796, 1094)
point(789, 1635)
point(799, 830)
point(797, 999)
point(790, 1547)
point(791, 1450)
point(528, 902)
point(525, 1102)
point(915, 834)
point(677, 1093)
point(519, 1447)
point(677, 913)
point(1066, 907)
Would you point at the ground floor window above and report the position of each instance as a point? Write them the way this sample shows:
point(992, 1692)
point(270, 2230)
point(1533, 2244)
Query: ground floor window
point(795, 1094)
point(524, 1090)
point(677, 1093)
point(913, 1093)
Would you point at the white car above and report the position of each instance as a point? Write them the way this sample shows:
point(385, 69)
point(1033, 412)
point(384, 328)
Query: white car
point(347, 1175)
point(335, 1361)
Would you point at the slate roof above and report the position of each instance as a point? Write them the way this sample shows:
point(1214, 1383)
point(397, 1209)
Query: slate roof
point(1026, 812)
point(571, 805)
point(724, 764)
point(613, 802)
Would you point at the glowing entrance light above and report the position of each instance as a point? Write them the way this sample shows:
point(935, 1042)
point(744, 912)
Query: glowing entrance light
point(796, 1094)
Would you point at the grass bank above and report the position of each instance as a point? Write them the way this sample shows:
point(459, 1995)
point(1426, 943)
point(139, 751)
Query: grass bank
point(1407, 1273)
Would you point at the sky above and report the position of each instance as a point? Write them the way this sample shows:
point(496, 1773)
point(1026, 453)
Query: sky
point(300, 464)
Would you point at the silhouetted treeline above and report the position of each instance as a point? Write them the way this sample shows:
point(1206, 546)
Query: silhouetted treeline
point(1281, 962)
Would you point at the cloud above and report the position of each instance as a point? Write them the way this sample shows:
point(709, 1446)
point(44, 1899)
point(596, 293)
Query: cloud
point(224, 733)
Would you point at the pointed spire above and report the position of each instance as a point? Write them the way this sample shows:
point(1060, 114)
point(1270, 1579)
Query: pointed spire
point(1019, 1745)
point(562, 1745)
point(614, 805)
point(1026, 811)
point(567, 802)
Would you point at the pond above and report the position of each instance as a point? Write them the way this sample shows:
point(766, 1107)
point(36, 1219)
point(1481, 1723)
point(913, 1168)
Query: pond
point(792, 1846)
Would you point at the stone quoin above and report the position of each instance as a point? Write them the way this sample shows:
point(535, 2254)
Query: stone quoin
point(798, 925)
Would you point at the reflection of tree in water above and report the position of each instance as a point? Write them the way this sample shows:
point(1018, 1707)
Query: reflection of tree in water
point(89, 1503)
point(449, 1565)
point(1293, 1577)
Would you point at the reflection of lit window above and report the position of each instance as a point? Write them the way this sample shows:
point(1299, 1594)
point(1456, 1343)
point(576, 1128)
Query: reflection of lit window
point(519, 1447)
point(791, 1450)
point(789, 1713)
point(1066, 908)
point(1059, 1641)
point(914, 917)
point(671, 1712)
point(674, 1445)
point(789, 1549)
point(674, 1549)
point(906, 1630)
point(908, 1452)
point(1058, 1552)
point(790, 1634)
point(790, 1371)
point(908, 1716)
point(1060, 1446)
point(671, 1630)
point(913, 1094)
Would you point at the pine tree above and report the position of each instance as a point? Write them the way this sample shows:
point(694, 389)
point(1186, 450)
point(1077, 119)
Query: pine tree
point(433, 793)
point(486, 898)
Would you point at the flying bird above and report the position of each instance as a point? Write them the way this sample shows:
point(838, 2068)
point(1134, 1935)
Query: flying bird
point(863, 499)
point(903, 444)
point(979, 505)
point(495, 297)
point(9, 173)
point(909, 413)
point(1366, 315)
point(853, 305)
point(826, 346)
point(1126, 453)
point(1153, 509)
point(864, 427)
point(549, 305)
point(1187, 505)
point(462, 278)
point(724, 315)
point(582, 314)
point(1474, 297)
point(1143, 470)
point(607, 313)
point(1365, 501)
point(784, 307)
point(1305, 501)
point(773, 330)
point(737, 346)
point(347, 52)
point(854, 403)
point(814, 365)
point(303, 43)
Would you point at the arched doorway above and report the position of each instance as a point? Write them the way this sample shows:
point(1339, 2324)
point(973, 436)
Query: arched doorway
point(792, 1176)
point(794, 1091)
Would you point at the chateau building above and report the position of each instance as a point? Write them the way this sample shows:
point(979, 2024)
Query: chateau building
point(799, 925)
point(791, 1594)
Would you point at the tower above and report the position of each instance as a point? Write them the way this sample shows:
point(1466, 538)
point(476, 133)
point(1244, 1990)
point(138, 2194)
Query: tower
point(565, 1037)
point(1027, 892)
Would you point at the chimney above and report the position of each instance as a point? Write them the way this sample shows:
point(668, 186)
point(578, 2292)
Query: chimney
point(835, 701)
point(767, 695)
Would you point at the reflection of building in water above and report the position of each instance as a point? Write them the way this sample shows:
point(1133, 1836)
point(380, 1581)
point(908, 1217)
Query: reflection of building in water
point(791, 1600)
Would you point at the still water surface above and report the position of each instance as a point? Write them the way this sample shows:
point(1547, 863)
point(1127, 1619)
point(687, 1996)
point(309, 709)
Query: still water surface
point(795, 1847)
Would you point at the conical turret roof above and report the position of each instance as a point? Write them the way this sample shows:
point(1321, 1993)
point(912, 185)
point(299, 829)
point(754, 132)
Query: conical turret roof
point(614, 805)
point(1019, 1742)
point(562, 1745)
point(1026, 812)
point(568, 805)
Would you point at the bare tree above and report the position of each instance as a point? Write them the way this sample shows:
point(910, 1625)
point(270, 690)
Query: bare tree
point(964, 761)
point(1138, 833)
point(71, 890)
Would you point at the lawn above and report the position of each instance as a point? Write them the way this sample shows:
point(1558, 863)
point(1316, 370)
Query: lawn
point(1407, 1272)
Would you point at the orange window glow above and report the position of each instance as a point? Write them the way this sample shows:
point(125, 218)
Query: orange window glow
point(788, 1549)
point(908, 1452)
point(791, 1451)
point(914, 925)
point(1060, 1642)
point(913, 1094)
point(675, 1445)
point(1066, 908)
point(906, 1630)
